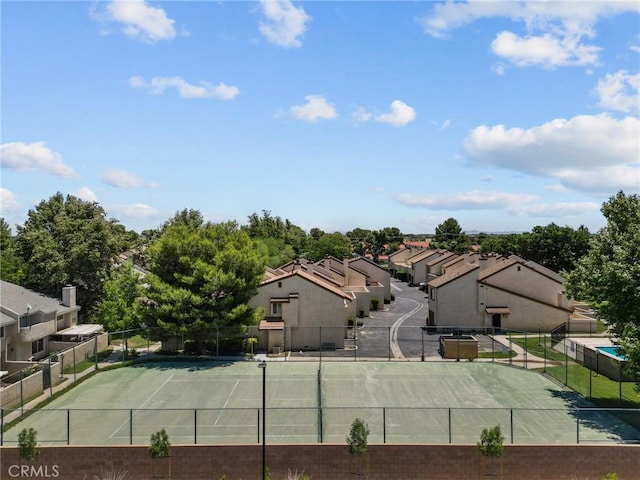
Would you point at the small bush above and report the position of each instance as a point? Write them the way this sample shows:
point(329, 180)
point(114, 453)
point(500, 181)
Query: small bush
point(160, 446)
point(374, 304)
point(357, 438)
point(28, 443)
point(491, 442)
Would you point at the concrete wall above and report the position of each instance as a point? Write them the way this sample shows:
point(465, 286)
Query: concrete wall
point(11, 396)
point(322, 462)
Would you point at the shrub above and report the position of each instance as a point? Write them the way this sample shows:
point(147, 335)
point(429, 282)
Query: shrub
point(357, 438)
point(491, 442)
point(160, 446)
point(28, 443)
point(374, 304)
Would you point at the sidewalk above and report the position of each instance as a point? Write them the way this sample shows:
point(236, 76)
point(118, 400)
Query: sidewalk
point(526, 360)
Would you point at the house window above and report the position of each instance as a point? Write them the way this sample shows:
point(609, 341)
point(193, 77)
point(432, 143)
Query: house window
point(1, 332)
point(276, 309)
point(279, 284)
point(432, 293)
point(37, 346)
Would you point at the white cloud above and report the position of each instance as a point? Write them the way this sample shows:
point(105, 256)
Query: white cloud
point(284, 24)
point(158, 85)
point(401, 114)
point(560, 209)
point(360, 115)
point(135, 210)
point(140, 20)
point(122, 179)
point(545, 50)
point(619, 91)
point(589, 153)
point(474, 200)
point(86, 194)
point(8, 202)
point(30, 157)
point(554, 31)
point(315, 108)
point(558, 187)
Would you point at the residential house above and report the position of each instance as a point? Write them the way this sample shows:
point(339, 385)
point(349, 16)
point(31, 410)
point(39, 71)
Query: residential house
point(33, 325)
point(304, 308)
point(503, 293)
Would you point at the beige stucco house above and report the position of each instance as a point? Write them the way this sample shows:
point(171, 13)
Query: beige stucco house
point(33, 325)
point(304, 309)
point(503, 293)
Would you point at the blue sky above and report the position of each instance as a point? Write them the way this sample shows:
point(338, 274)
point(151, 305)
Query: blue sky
point(503, 115)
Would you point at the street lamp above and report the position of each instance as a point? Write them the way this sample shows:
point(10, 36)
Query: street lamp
point(422, 357)
point(263, 366)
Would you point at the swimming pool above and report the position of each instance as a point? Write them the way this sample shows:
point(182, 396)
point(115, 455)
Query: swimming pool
point(614, 351)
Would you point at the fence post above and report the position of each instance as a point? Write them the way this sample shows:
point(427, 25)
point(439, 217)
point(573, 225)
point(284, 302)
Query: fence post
point(384, 424)
point(566, 365)
point(124, 350)
point(74, 365)
point(195, 426)
point(511, 421)
point(450, 433)
point(50, 379)
point(389, 344)
point(578, 426)
point(95, 350)
point(131, 426)
point(1, 427)
point(68, 426)
point(21, 393)
point(320, 336)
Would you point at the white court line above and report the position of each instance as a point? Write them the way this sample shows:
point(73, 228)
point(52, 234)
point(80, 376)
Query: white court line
point(226, 403)
point(143, 403)
point(397, 288)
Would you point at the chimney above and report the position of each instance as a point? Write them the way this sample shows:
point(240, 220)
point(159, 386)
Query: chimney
point(69, 296)
point(345, 266)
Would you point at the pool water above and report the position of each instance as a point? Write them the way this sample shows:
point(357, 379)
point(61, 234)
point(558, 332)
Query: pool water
point(613, 351)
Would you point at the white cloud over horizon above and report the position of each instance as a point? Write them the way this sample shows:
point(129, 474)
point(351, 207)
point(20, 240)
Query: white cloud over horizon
point(139, 20)
point(86, 194)
point(136, 211)
point(316, 108)
point(473, 200)
point(157, 86)
point(590, 153)
point(32, 157)
point(8, 202)
point(284, 24)
point(123, 179)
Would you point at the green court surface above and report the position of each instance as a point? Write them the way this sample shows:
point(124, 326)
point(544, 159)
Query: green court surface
point(307, 402)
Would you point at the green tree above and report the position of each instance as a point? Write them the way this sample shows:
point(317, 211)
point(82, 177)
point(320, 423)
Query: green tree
point(28, 443)
point(68, 241)
point(275, 250)
point(202, 278)
point(12, 266)
point(449, 235)
point(557, 248)
point(120, 307)
point(270, 227)
point(608, 276)
point(334, 244)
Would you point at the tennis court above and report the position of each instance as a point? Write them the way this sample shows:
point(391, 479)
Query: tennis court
point(221, 403)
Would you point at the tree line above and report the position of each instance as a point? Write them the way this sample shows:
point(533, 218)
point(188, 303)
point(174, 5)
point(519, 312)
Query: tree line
point(190, 276)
